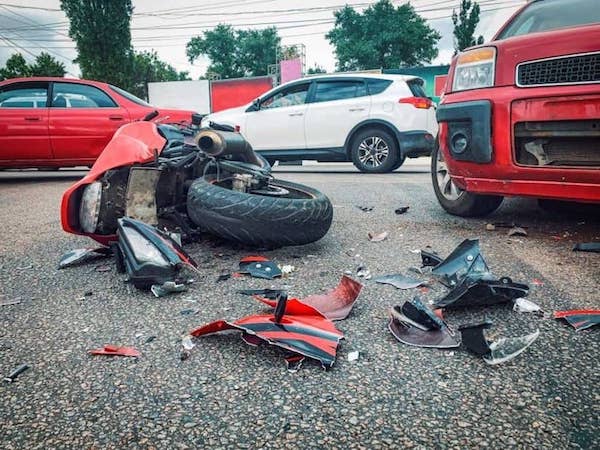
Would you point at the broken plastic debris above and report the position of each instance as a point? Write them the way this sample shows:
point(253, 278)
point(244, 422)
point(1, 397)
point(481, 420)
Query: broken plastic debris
point(523, 305)
point(15, 373)
point(365, 208)
point(402, 209)
point(517, 231)
point(259, 267)
point(587, 247)
point(505, 349)
point(429, 259)
point(480, 292)
point(490, 226)
point(465, 260)
point(287, 269)
point(335, 305)
point(112, 350)
point(294, 362)
point(223, 277)
point(353, 356)
point(268, 293)
point(168, 287)
point(580, 319)
point(81, 255)
point(310, 334)
point(399, 281)
point(378, 237)
point(363, 272)
point(187, 343)
point(15, 301)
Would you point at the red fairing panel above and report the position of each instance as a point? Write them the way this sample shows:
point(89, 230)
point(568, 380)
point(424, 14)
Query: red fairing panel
point(134, 143)
point(335, 305)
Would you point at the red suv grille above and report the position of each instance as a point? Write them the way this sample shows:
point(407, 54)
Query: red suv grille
point(563, 70)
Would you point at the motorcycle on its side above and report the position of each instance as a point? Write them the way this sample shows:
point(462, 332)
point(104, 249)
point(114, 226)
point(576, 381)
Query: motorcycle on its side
point(197, 180)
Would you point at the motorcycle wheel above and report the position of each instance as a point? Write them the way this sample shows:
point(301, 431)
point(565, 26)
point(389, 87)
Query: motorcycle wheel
point(300, 216)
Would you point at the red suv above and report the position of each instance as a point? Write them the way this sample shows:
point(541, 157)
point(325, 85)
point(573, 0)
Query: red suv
point(61, 122)
point(521, 115)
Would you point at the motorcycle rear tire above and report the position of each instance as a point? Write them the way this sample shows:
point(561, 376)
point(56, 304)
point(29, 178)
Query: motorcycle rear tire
point(301, 217)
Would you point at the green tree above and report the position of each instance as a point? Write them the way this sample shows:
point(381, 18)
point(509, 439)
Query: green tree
point(46, 65)
point(236, 53)
point(147, 67)
point(16, 67)
point(316, 69)
point(100, 29)
point(383, 36)
point(465, 23)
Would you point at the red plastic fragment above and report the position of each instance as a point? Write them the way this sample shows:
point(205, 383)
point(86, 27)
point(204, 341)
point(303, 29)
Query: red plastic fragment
point(335, 305)
point(580, 319)
point(113, 350)
point(253, 258)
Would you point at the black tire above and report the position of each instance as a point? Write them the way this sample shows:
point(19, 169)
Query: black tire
point(459, 203)
point(302, 217)
point(370, 140)
point(399, 163)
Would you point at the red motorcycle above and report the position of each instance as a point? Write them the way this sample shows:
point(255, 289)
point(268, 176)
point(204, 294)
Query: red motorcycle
point(195, 180)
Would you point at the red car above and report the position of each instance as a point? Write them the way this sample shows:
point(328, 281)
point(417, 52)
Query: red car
point(521, 115)
point(60, 122)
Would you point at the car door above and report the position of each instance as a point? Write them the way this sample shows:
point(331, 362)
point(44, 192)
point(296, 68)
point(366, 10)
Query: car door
point(24, 122)
point(278, 121)
point(83, 118)
point(337, 105)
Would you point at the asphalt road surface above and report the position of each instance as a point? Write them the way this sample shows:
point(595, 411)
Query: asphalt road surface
point(230, 395)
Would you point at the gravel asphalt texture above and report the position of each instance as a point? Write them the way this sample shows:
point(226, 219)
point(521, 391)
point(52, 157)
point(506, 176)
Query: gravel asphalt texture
point(230, 395)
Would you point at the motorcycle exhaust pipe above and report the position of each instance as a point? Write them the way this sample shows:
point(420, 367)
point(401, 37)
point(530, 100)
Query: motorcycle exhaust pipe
point(224, 143)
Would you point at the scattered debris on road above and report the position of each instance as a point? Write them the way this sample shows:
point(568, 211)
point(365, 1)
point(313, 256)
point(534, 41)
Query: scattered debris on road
point(11, 377)
point(517, 231)
point(402, 210)
point(335, 305)
point(83, 255)
point(593, 247)
point(364, 208)
point(522, 305)
point(15, 301)
point(399, 281)
point(363, 272)
point(259, 267)
point(168, 287)
point(378, 237)
point(113, 350)
point(490, 227)
point(353, 356)
point(580, 319)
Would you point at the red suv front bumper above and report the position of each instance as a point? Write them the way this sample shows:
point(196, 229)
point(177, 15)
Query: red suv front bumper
point(486, 119)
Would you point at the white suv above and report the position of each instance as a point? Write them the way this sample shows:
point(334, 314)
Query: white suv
point(375, 121)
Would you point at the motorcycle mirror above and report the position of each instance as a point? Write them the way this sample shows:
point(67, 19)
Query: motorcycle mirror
point(197, 118)
point(151, 115)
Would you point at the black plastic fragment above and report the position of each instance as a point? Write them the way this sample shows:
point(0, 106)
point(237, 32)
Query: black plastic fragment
point(465, 260)
point(480, 292)
point(430, 259)
point(260, 269)
point(267, 293)
point(473, 337)
point(402, 209)
point(593, 247)
point(15, 373)
point(280, 308)
point(421, 314)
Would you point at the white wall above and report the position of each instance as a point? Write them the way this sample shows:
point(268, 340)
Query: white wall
point(192, 95)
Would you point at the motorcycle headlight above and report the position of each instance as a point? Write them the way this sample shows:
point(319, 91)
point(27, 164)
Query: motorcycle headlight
point(475, 69)
point(143, 249)
point(90, 207)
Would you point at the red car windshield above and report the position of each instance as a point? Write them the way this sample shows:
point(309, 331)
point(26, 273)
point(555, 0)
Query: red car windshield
point(546, 15)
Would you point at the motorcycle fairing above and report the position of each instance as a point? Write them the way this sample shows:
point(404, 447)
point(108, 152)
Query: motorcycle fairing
point(480, 292)
point(464, 261)
point(133, 143)
point(580, 319)
point(335, 305)
point(308, 333)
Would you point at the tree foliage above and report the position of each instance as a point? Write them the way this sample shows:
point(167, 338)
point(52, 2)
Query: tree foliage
point(44, 66)
point(236, 53)
point(465, 23)
point(100, 29)
point(147, 68)
point(316, 69)
point(383, 36)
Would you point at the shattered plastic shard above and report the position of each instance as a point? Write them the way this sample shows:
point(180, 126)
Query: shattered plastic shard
point(580, 319)
point(523, 305)
point(353, 356)
point(402, 209)
point(169, 287)
point(399, 281)
point(12, 376)
point(429, 259)
point(480, 292)
point(112, 350)
point(335, 305)
point(414, 336)
point(259, 267)
point(378, 237)
point(81, 255)
point(517, 231)
point(187, 343)
point(505, 349)
point(267, 293)
point(465, 260)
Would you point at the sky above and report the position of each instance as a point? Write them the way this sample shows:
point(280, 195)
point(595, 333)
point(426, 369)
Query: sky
point(33, 26)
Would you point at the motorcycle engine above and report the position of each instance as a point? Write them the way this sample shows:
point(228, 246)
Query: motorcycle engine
point(242, 182)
